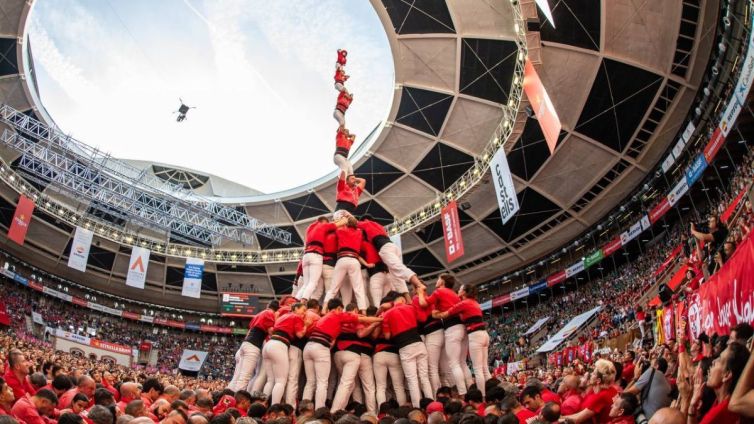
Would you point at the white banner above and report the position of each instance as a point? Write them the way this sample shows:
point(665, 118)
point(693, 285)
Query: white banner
point(730, 116)
point(747, 72)
point(678, 191)
point(72, 337)
point(521, 293)
point(37, 318)
point(574, 269)
point(574, 325)
point(79, 254)
point(645, 224)
point(507, 200)
point(631, 234)
point(192, 360)
point(137, 267)
point(667, 163)
point(192, 278)
point(537, 325)
point(678, 148)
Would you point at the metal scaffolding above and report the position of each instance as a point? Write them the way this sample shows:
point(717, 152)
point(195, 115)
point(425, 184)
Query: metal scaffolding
point(70, 165)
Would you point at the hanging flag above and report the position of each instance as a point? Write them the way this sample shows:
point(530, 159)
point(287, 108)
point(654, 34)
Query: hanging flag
point(544, 110)
point(137, 267)
point(451, 229)
point(192, 360)
point(507, 200)
point(192, 278)
point(21, 220)
point(79, 254)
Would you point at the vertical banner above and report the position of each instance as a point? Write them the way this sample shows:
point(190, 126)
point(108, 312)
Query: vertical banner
point(21, 219)
point(507, 200)
point(451, 229)
point(542, 105)
point(137, 267)
point(192, 278)
point(79, 254)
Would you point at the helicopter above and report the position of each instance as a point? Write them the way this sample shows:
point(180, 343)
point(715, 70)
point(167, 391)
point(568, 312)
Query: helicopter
point(182, 111)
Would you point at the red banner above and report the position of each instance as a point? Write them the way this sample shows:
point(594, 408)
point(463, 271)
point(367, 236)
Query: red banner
point(727, 298)
point(451, 229)
point(543, 108)
point(668, 323)
point(725, 216)
point(715, 143)
point(678, 277)
point(4, 317)
point(112, 347)
point(501, 300)
point(556, 278)
point(677, 251)
point(21, 219)
point(658, 211)
point(611, 247)
point(79, 301)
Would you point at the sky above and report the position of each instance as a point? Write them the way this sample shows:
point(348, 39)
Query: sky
point(260, 74)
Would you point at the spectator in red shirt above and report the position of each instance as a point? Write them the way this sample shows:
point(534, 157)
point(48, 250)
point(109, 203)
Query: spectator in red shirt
point(6, 398)
point(128, 391)
point(511, 405)
point(723, 376)
point(151, 391)
point(628, 366)
point(571, 395)
point(86, 385)
point(35, 409)
point(532, 399)
point(622, 409)
point(16, 374)
point(599, 397)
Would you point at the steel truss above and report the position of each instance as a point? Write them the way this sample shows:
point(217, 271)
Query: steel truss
point(73, 166)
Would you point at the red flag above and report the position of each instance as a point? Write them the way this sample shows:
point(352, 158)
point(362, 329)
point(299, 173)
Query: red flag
point(542, 106)
point(21, 219)
point(451, 228)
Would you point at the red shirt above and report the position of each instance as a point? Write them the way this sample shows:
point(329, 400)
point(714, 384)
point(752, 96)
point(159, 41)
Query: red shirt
point(343, 143)
point(344, 101)
point(422, 314)
point(525, 416)
point(349, 240)
point(66, 398)
point(349, 333)
point(315, 236)
point(342, 57)
point(340, 76)
point(628, 371)
point(398, 319)
point(640, 316)
point(20, 388)
point(347, 193)
point(623, 420)
point(600, 403)
point(147, 401)
point(442, 299)
point(550, 396)
point(571, 403)
point(719, 413)
point(3, 411)
point(369, 253)
point(467, 308)
point(263, 320)
point(331, 244)
point(372, 229)
point(313, 317)
point(25, 411)
point(290, 324)
point(332, 323)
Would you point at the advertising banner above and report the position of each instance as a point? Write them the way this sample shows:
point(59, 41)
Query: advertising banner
point(715, 143)
point(79, 254)
point(557, 278)
point(594, 258)
point(451, 229)
point(137, 267)
point(538, 287)
point(632, 233)
point(507, 200)
point(567, 331)
point(667, 163)
point(574, 269)
point(536, 326)
point(696, 169)
point(730, 116)
point(659, 211)
point(612, 246)
point(519, 294)
point(540, 102)
point(192, 360)
point(678, 191)
point(21, 220)
point(501, 300)
point(192, 278)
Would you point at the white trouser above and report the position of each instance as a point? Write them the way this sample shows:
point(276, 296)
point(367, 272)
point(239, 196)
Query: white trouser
point(312, 269)
point(324, 283)
point(414, 362)
point(317, 368)
point(246, 357)
point(260, 378)
point(275, 360)
point(453, 348)
point(464, 359)
point(343, 163)
point(379, 286)
point(347, 266)
point(339, 86)
point(298, 285)
point(294, 371)
point(366, 377)
point(641, 329)
point(384, 363)
point(346, 292)
point(434, 342)
point(391, 256)
point(349, 365)
point(479, 345)
point(340, 117)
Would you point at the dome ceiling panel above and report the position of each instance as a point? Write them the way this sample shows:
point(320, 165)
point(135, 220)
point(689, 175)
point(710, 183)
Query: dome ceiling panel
point(618, 191)
point(470, 124)
point(442, 166)
point(407, 195)
point(8, 57)
point(12, 93)
point(10, 18)
point(427, 62)
point(638, 32)
point(267, 243)
point(304, 207)
point(534, 210)
point(282, 284)
point(419, 16)
point(378, 174)
point(483, 18)
point(272, 213)
point(422, 262)
point(433, 231)
point(553, 239)
point(568, 94)
point(423, 110)
point(530, 151)
point(617, 103)
point(482, 200)
point(404, 147)
point(578, 23)
point(409, 241)
point(487, 68)
point(478, 241)
point(567, 174)
point(376, 210)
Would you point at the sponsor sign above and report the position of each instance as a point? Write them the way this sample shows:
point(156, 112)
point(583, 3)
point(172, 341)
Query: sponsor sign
point(192, 278)
point(567, 331)
point(451, 228)
point(557, 278)
point(658, 211)
point(594, 258)
point(631, 234)
point(730, 116)
point(79, 254)
point(37, 318)
point(543, 108)
point(486, 305)
point(501, 300)
point(574, 269)
point(696, 169)
point(192, 360)
point(678, 148)
point(716, 141)
point(612, 246)
point(21, 220)
point(538, 287)
point(519, 294)
point(688, 132)
point(667, 163)
point(137, 267)
point(746, 77)
point(507, 200)
point(678, 191)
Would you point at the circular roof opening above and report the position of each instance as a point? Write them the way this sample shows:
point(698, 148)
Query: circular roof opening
point(259, 73)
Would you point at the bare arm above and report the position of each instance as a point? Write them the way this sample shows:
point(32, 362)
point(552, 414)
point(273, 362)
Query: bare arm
point(581, 417)
point(364, 332)
point(365, 263)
